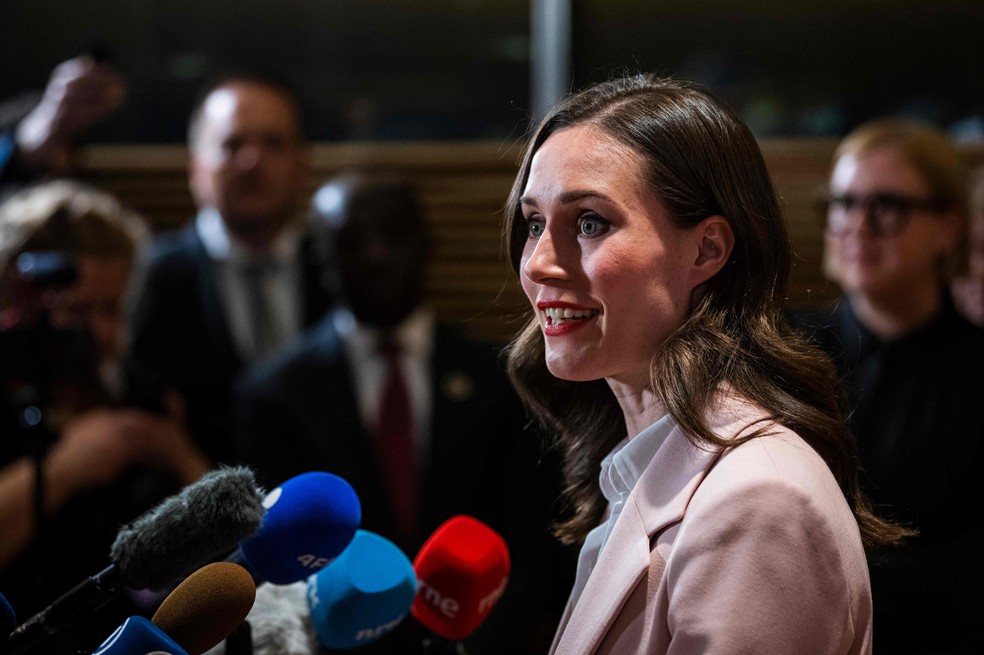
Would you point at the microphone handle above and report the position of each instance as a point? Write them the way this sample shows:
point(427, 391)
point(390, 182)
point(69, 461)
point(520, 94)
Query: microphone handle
point(90, 594)
point(437, 645)
point(240, 642)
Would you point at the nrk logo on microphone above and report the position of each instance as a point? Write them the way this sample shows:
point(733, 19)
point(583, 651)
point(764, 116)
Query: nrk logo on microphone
point(309, 520)
point(462, 571)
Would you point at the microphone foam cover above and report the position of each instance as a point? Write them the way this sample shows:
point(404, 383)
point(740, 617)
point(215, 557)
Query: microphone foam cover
point(207, 606)
point(204, 521)
point(280, 621)
point(462, 571)
point(309, 520)
point(362, 595)
point(7, 619)
point(138, 635)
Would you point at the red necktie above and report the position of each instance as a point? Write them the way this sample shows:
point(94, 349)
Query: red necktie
point(395, 448)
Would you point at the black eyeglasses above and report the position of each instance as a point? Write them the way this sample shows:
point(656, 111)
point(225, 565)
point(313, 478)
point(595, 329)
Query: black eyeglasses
point(886, 214)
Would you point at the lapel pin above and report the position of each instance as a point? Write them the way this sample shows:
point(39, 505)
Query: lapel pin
point(457, 386)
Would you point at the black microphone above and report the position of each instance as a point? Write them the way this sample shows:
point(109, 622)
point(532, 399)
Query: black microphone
point(203, 522)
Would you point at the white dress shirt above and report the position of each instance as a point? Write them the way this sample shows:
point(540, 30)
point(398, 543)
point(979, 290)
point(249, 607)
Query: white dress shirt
point(282, 284)
point(620, 471)
point(416, 338)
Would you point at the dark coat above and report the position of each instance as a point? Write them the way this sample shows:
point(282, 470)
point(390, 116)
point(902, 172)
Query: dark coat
point(300, 413)
point(181, 338)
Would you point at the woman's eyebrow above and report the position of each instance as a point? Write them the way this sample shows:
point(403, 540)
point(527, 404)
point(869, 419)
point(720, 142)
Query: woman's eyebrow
point(568, 197)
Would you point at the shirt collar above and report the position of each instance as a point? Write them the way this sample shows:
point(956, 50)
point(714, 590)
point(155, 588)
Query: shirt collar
point(413, 333)
point(622, 468)
point(221, 245)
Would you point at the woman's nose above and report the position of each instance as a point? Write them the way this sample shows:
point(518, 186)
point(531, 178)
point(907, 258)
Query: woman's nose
point(544, 261)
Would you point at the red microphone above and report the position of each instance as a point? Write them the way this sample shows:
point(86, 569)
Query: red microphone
point(462, 571)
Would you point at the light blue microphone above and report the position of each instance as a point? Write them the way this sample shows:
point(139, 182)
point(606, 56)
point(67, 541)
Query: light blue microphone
point(361, 596)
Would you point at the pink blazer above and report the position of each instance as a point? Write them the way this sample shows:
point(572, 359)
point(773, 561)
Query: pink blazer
point(753, 551)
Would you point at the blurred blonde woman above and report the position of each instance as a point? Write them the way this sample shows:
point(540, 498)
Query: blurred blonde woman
point(968, 289)
point(911, 367)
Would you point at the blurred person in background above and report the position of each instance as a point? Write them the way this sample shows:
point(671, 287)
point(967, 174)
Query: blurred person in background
point(100, 464)
point(40, 132)
point(968, 288)
point(896, 220)
point(241, 279)
point(463, 448)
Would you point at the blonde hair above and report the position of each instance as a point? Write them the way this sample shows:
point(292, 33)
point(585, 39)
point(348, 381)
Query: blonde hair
point(68, 217)
point(934, 157)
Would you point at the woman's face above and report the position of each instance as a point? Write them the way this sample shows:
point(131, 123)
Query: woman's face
point(890, 264)
point(608, 275)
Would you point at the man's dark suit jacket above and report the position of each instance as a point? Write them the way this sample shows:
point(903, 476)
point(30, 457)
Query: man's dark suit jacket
point(300, 413)
point(181, 338)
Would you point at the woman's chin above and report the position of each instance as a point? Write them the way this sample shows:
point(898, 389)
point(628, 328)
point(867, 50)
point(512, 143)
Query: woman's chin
point(565, 371)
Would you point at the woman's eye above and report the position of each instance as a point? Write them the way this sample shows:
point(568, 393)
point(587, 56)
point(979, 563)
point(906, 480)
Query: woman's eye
point(535, 227)
point(592, 225)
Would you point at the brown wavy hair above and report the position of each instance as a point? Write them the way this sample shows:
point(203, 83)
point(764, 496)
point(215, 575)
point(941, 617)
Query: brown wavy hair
point(701, 160)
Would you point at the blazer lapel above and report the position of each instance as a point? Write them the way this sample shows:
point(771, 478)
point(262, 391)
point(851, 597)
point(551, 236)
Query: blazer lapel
point(622, 563)
point(317, 299)
point(457, 459)
point(658, 500)
point(213, 312)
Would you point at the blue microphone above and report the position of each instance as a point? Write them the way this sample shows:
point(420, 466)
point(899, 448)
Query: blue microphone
point(361, 596)
point(309, 520)
point(138, 636)
point(7, 619)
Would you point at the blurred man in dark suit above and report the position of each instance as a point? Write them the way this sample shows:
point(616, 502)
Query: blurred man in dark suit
point(240, 280)
point(417, 416)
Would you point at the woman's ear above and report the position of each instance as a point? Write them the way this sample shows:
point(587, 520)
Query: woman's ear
point(715, 241)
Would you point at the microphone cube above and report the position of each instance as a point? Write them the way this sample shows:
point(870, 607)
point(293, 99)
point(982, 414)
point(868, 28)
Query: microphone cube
point(462, 571)
point(361, 596)
point(309, 520)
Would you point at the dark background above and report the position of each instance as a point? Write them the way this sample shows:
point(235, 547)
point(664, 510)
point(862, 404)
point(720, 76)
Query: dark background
point(459, 69)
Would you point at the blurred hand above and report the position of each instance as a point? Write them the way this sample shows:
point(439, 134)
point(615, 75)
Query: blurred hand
point(79, 93)
point(94, 449)
point(97, 446)
point(163, 442)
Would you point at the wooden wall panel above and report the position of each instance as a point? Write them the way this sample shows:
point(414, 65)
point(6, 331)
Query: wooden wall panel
point(463, 187)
